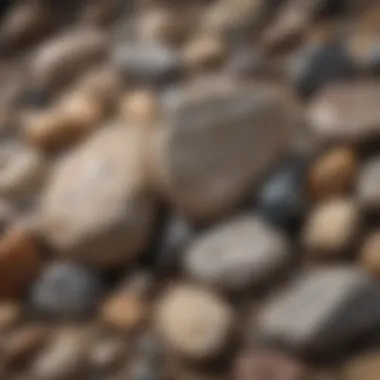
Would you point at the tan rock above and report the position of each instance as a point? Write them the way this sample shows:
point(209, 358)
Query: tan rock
point(370, 253)
point(331, 227)
point(96, 207)
point(365, 366)
point(10, 314)
point(193, 321)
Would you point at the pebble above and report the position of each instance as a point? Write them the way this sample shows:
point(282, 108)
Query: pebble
point(333, 173)
point(318, 65)
point(20, 261)
point(66, 289)
point(219, 142)
point(243, 251)
point(322, 311)
point(23, 170)
point(204, 52)
point(370, 253)
point(63, 57)
point(10, 314)
point(368, 186)
point(346, 112)
point(21, 345)
point(147, 63)
point(365, 366)
point(282, 199)
point(142, 370)
point(96, 208)
point(107, 354)
point(65, 356)
point(140, 107)
point(331, 227)
point(127, 308)
point(263, 364)
point(74, 118)
point(193, 321)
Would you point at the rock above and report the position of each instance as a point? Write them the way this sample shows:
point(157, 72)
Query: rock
point(35, 98)
point(64, 357)
point(66, 289)
point(322, 311)
point(139, 107)
point(63, 57)
point(331, 227)
point(282, 199)
point(20, 261)
point(21, 345)
point(231, 17)
point(264, 364)
point(96, 208)
point(370, 253)
point(23, 170)
point(346, 112)
point(176, 235)
point(203, 52)
point(333, 173)
point(70, 120)
point(365, 366)
point(221, 138)
point(368, 186)
point(10, 314)
point(141, 370)
point(245, 62)
point(127, 308)
point(147, 63)
point(106, 354)
point(193, 321)
point(24, 23)
point(319, 65)
point(243, 251)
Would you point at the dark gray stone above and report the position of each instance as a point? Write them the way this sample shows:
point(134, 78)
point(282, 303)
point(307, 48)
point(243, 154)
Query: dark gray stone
point(323, 310)
point(66, 290)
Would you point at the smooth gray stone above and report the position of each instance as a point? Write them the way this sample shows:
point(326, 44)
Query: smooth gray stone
point(323, 310)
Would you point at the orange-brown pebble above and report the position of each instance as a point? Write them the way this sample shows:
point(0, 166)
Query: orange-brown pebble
point(124, 312)
point(58, 127)
point(333, 173)
point(21, 344)
point(19, 262)
point(140, 107)
point(204, 51)
point(10, 314)
point(365, 366)
point(370, 254)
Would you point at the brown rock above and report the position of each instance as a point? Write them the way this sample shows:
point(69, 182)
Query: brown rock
point(264, 364)
point(204, 51)
point(63, 57)
point(331, 227)
point(370, 253)
point(96, 206)
point(220, 139)
point(347, 112)
point(107, 353)
point(19, 261)
point(333, 173)
point(368, 186)
point(22, 344)
point(10, 314)
point(65, 356)
point(366, 366)
point(193, 321)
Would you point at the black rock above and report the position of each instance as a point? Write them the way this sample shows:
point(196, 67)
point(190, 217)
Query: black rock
point(282, 199)
point(66, 290)
point(323, 311)
point(318, 65)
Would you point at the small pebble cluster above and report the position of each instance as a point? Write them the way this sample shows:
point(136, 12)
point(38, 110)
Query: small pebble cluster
point(190, 190)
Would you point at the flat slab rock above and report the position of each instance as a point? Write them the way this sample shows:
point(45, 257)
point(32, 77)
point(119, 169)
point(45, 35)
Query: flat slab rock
point(96, 208)
point(323, 310)
point(219, 140)
point(347, 112)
